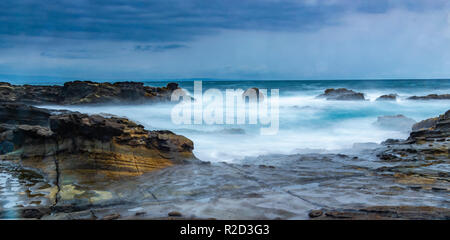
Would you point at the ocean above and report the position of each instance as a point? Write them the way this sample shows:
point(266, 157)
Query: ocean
point(306, 123)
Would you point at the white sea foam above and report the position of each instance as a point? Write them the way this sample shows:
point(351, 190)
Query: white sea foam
point(305, 123)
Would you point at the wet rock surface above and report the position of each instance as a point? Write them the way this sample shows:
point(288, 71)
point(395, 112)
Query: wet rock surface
point(385, 213)
point(402, 179)
point(85, 92)
point(341, 94)
point(71, 148)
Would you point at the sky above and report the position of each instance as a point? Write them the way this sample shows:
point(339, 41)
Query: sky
point(224, 39)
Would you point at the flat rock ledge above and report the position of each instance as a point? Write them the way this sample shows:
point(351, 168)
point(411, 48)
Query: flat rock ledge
point(383, 213)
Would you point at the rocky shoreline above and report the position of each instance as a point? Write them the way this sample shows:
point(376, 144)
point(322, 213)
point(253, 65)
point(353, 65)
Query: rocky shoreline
point(82, 166)
point(85, 92)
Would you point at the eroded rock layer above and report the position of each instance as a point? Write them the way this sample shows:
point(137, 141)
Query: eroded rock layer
point(70, 143)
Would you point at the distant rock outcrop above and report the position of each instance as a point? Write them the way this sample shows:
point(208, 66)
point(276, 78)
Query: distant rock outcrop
point(341, 94)
point(431, 97)
point(85, 92)
point(387, 97)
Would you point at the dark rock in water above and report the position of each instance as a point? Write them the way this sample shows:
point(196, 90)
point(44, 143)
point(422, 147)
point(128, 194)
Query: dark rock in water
point(174, 214)
point(74, 145)
point(341, 94)
point(388, 213)
point(253, 93)
point(388, 97)
point(85, 92)
point(140, 213)
point(397, 122)
point(315, 213)
point(36, 213)
point(431, 97)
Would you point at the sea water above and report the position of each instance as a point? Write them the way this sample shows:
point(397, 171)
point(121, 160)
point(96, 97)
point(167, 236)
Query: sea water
point(306, 123)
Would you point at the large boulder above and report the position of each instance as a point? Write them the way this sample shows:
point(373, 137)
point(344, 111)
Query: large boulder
point(431, 97)
point(341, 94)
point(71, 145)
point(397, 123)
point(85, 92)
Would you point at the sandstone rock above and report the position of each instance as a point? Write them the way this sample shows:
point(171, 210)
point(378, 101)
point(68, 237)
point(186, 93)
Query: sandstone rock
point(433, 129)
point(397, 122)
point(431, 97)
point(341, 94)
point(388, 97)
point(427, 145)
point(85, 92)
point(73, 145)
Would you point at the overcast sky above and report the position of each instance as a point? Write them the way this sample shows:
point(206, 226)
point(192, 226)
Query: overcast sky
point(226, 39)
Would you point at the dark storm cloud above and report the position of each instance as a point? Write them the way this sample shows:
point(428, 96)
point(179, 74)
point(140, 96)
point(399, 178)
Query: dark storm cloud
point(177, 20)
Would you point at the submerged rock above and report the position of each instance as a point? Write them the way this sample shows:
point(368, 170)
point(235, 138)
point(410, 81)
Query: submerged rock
point(397, 123)
point(341, 94)
point(431, 97)
point(85, 92)
point(388, 97)
point(72, 145)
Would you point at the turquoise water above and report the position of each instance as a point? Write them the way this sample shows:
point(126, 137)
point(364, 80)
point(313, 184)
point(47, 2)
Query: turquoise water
point(305, 122)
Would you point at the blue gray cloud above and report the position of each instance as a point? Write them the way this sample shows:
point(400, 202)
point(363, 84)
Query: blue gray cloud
point(180, 20)
point(290, 39)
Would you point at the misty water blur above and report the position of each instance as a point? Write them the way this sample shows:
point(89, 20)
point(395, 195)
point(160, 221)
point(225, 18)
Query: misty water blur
point(307, 124)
